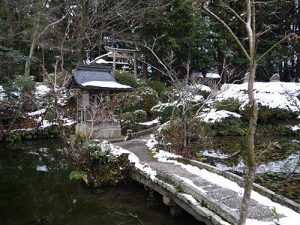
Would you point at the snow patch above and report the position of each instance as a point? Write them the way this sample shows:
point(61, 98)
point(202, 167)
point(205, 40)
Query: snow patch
point(271, 94)
point(217, 116)
point(38, 112)
point(41, 90)
point(150, 123)
point(41, 168)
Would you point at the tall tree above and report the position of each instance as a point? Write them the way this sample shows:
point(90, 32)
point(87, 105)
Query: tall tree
point(247, 16)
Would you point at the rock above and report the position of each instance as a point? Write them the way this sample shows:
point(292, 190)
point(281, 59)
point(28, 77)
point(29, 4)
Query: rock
point(275, 78)
point(246, 78)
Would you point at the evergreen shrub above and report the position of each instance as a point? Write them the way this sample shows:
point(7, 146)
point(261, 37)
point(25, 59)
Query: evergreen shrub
point(268, 115)
point(229, 104)
point(126, 78)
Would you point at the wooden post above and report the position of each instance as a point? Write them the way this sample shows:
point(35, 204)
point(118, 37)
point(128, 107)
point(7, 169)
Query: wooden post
point(114, 60)
point(134, 65)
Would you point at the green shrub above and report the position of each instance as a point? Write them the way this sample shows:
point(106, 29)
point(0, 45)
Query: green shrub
point(13, 137)
point(126, 78)
point(143, 98)
point(268, 115)
point(229, 126)
point(230, 104)
point(127, 117)
point(165, 95)
point(140, 116)
point(158, 86)
point(165, 111)
point(25, 83)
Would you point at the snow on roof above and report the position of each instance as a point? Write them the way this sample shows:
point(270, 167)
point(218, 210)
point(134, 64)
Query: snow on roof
point(102, 61)
point(105, 84)
point(208, 75)
point(272, 94)
point(213, 75)
point(217, 116)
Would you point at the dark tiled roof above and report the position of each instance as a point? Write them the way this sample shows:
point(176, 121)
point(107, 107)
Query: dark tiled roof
point(86, 73)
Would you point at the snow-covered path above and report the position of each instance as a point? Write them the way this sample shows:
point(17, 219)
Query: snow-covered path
point(202, 188)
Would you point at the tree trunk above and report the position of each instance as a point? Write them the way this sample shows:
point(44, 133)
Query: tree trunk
point(251, 162)
point(32, 47)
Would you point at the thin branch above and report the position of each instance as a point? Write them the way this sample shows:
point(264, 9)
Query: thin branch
point(233, 11)
point(52, 24)
point(229, 30)
point(275, 45)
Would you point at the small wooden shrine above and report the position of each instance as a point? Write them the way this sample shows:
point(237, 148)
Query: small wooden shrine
point(95, 104)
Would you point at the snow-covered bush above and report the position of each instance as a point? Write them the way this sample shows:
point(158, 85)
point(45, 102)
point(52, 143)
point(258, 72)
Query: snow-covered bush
point(165, 111)
point(228, 126)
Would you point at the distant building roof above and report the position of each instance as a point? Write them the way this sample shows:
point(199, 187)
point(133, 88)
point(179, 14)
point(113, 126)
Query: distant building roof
point(207, 75)
point(98, 78)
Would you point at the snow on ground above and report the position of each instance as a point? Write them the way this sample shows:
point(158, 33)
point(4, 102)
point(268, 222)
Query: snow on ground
point(41, 90)
point(295, 128)
point(288, 216)
point(38, 112)
point(202, 87)
point(215, 154)
point(150, 123)
point(272, 94)
point(288, 165)
point(217, 116)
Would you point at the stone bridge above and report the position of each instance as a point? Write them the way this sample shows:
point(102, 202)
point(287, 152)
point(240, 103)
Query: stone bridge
point(211, 196)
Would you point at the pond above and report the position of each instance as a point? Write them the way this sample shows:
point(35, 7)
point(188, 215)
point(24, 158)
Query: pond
point(35, 189)
point(278, 167)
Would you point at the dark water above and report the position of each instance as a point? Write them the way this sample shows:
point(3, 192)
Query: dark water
point(35, 189)
point(277, 169)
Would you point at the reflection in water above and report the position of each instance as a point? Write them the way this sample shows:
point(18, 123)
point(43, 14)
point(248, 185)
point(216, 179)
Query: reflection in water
point(35, 190)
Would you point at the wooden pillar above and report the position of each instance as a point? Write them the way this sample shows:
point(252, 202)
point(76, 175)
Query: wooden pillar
point(135, 65)
point(114, 60)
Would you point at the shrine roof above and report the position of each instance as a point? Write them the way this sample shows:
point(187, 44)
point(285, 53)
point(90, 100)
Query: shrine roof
point(98, 78)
